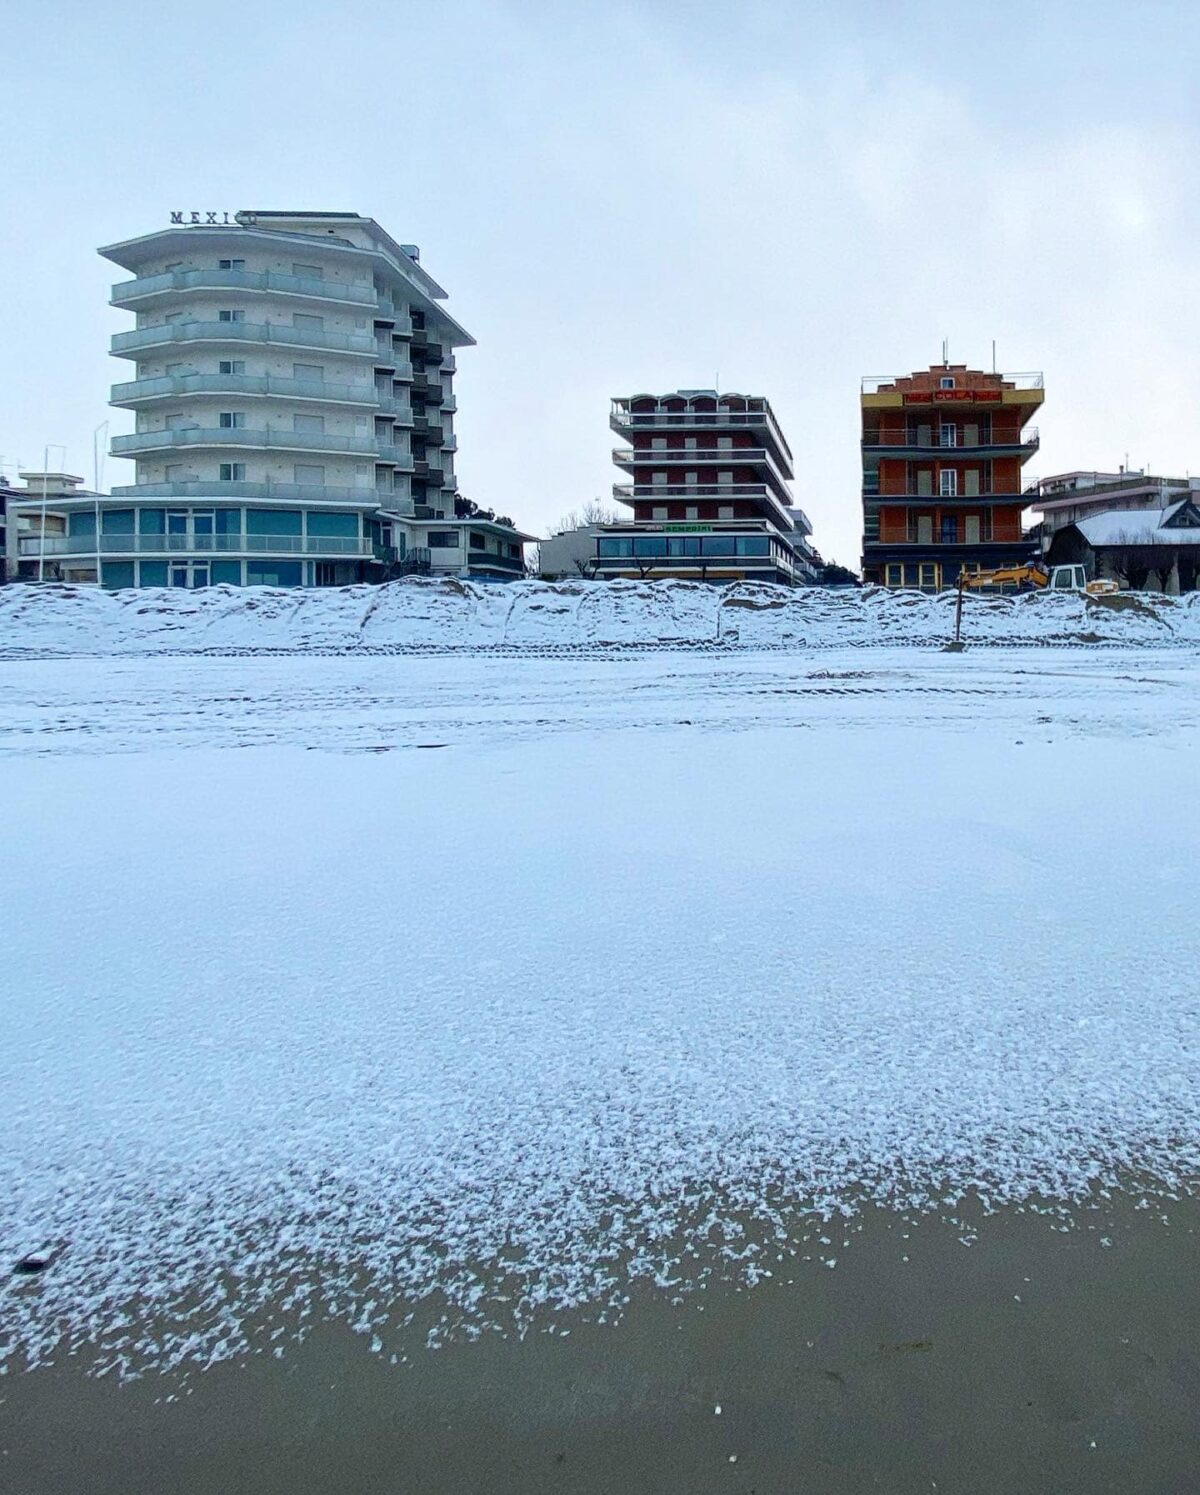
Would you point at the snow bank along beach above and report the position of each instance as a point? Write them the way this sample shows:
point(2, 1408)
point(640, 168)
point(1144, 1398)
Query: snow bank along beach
point(510, 984)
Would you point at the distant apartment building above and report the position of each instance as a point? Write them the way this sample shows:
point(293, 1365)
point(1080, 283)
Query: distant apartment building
point(1068, 497)
point(293, 398)
point(943, 451)
point(709, 489)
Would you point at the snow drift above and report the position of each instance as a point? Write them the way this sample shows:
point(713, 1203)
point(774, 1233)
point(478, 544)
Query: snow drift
point(420, 614)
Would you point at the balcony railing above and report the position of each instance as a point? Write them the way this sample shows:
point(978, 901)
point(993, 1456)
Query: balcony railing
point(703, 456)
point(937, 538)
point(32, 545)
point(242, 332)
point(126, 292)
point(490, 558)
point(694, 490)
point(929, 500)
point(388, 311)
point(622, 419)
point(171, 386)
point(875, 383)
point(178, 437)
point(932, 443)
point(218, 492)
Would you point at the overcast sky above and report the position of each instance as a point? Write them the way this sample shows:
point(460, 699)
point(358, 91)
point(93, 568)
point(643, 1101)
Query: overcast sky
point(620, 197)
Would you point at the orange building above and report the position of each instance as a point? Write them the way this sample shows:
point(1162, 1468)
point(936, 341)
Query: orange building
point(942, 458)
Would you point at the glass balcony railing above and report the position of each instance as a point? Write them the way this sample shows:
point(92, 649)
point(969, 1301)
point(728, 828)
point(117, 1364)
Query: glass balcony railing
point(32, 545)
point(169, 333)
point(218, 492)
point(498, 562)
point(173, 385)
point(127, 292)
point(178, 437)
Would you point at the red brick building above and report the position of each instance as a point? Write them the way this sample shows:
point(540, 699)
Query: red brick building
point(943, 452)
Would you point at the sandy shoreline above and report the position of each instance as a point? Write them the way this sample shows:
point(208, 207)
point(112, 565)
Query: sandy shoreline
point(1038, 1357)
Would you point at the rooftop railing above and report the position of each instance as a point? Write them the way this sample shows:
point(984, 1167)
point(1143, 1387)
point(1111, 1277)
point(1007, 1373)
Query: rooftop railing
point(879, 383)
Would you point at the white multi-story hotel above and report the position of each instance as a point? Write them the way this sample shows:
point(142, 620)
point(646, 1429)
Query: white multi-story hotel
point(292, 383)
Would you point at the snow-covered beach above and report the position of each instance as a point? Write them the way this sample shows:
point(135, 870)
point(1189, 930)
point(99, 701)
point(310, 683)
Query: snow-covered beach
point(532, 983)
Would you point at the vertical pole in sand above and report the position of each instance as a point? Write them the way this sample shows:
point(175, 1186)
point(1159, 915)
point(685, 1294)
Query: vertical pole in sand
point(958, 611)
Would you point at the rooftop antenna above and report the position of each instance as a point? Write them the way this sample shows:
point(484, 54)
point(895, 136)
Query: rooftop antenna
point(993, 355)
point(945, 352)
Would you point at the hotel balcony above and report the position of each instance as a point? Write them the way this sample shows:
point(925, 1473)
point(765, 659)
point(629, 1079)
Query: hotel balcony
point(137, 392)
point(215, 491)
point(1022, 496)
point(171, 334)
point(397, 317)
point(875, 444)
point(179, 438)
point(699, 458)
point(172, 282)
point(487, 558)
point(333, 545)
point(623, 421)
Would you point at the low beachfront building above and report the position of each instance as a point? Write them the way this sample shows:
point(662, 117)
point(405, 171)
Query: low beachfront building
point(569, 553)
point(1068, 497)
point(294, 414)
point(1143, 549)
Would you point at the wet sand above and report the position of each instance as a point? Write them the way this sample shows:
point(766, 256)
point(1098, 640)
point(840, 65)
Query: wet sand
point(1034, 1359)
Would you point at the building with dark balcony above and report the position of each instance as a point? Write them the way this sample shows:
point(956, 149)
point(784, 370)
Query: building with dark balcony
point(708, 484)
point(292, 394)
point(943, 456)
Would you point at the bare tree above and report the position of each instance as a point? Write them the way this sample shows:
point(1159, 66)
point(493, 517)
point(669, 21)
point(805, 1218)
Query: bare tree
point(586, 567)
point(1128, 559)
point(1161, 560)
point(593, 512)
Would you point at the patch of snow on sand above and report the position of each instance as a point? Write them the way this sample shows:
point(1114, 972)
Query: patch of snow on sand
point(522, 1021)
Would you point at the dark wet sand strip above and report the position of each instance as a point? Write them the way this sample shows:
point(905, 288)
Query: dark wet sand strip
point(1032, 1360)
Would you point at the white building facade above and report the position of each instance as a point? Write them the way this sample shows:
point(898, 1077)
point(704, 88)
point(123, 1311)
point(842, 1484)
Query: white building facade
point(291, 378)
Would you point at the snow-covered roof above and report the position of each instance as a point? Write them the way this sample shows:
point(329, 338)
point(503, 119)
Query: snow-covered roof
point(1137, 527)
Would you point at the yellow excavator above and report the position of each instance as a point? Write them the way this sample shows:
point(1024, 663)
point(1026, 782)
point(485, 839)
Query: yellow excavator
point(1033, 577)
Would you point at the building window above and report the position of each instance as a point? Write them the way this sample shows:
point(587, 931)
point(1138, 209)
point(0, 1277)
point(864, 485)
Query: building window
point(659, 479)
point(894, 576)
point(691, 512)
point(946, 381)
point(615, 546)
point(948, 434)
point(725, 511)
point(309, 476)
point(443, 539)
point(948, 483)
point(231, 264)
point(231, 314)
point(658, 443)
point(928, 576)
point(232, 366)
point(691, 479)
point(724, 478)
point(233, 472)
point(725, 443)
point(231, 420)
point(659, 512)
point(478, 541)
point(949, 531)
